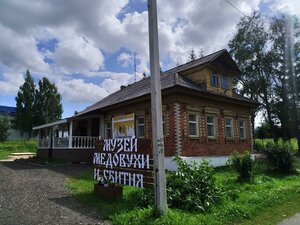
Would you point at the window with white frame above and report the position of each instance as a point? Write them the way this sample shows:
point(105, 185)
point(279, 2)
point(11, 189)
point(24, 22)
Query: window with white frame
point(193, 125)
point(228, 127)
point(211, 126)
point(140, 127)
point(242, 129)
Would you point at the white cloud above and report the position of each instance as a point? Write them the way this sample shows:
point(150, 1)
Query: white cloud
point(18, 52)
point(86, 30)
point(11, 83)
point(125, 59)
point(77, 90)
point(77, 55)
point(291, 7)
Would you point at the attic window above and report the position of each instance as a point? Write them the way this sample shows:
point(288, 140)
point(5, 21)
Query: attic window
point(225, 82)
point(214, 79)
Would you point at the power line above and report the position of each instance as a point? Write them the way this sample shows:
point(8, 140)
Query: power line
point(233, 6)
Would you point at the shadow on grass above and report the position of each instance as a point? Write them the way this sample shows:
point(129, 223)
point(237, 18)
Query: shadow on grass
point(107, 208)
point(71, 203)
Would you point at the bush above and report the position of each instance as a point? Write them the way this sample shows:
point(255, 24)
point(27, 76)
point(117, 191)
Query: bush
point(243, 164)
point(142, 197)
point(259, 145)
point(192, 187)
point(4, 128)
point(281, 156)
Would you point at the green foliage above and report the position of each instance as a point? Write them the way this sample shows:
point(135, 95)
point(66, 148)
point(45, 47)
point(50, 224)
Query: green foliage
point(37, 106)
point(281, 156)
point(142, 197)
point(25, 105)
point(8, 147)
point(267, 200)
point(243, 164)
point(4, 128)
point(48, 107)
point(259, 145)
point(264, 52)
point(263, 131)
point(192, 55)
point(192, 187)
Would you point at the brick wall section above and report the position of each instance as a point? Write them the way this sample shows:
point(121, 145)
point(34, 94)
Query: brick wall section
point(170, 139)
point(178, 118)
point(221, 146)
point(176, 108)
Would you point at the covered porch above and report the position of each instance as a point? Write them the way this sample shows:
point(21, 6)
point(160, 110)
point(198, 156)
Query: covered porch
point(71, 139)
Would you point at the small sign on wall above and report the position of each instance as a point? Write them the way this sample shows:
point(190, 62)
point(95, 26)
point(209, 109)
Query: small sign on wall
point(123, 126)
point(124, 161)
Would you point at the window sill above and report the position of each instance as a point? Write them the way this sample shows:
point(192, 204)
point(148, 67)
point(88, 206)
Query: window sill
point(194, 137)
point(230, 141)
point(211, 138)
point(212, 141)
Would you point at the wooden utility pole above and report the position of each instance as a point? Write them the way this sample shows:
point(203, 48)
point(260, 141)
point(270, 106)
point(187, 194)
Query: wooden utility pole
point(156, 110)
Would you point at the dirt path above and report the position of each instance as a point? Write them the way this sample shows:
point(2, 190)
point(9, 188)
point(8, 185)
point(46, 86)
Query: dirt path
point(36, 195)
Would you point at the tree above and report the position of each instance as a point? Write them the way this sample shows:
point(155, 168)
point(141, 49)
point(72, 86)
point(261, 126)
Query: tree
point(249, 49)
point(47, 107)
point(25, 105)
point(37, 106)
point(192, 56)
point(283, 50)
point(4, 128)
point(265, 50)
point(201, 54)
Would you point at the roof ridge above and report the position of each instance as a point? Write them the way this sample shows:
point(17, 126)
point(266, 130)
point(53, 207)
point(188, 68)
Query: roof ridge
point(206, 56)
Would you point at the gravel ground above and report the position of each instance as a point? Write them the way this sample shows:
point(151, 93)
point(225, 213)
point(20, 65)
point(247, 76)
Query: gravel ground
point(36, 195)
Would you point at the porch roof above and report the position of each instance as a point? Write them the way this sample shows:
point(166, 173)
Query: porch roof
point(51, 124)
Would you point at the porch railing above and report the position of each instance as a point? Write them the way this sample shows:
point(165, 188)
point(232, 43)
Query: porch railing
point(83, 142)
point(61, 142)
point(44, 143)
point(78, 142)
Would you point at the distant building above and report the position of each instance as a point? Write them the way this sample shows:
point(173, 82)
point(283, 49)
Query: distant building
point(10, 112)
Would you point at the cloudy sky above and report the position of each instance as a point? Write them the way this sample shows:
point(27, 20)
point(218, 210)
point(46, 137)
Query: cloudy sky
point(86, 47)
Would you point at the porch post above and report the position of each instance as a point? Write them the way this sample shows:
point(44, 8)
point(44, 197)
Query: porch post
point(39, 137)
point(70, 133)
point(53, 136)
point(48, 135)
point(101, 127)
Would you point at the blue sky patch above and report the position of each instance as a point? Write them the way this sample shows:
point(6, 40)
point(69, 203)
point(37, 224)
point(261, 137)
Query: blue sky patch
point(47, 45)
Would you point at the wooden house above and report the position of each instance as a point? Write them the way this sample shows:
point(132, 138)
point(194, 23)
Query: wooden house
point(203, 118)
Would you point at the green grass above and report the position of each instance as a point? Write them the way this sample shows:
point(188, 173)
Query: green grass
point(8, 147)
point(293, 141)
point(268, 200)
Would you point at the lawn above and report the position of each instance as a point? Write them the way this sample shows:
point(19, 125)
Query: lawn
point(8, 147)
point(264, 142)
point(268, 200)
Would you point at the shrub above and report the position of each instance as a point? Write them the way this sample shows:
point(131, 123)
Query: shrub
point(281, 156)
point(192, 187)
point(142, 197)
point(259, 145)
point(4, 128)
point(243, 164)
